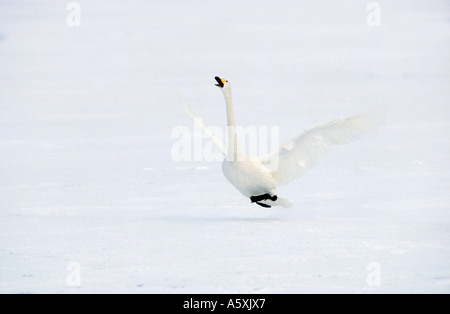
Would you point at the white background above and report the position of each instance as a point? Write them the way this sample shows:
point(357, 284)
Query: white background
point(87, 180)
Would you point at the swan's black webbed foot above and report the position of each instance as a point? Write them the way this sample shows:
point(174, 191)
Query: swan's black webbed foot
point(257, 199)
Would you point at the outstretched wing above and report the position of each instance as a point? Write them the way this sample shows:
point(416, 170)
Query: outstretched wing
point(303, 152)
point(198, 120)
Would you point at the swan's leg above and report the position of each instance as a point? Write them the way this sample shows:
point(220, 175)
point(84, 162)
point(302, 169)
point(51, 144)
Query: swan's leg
point(256, 199)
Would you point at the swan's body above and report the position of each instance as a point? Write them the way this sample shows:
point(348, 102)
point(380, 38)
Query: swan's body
point(256, 178)
point(250, 177)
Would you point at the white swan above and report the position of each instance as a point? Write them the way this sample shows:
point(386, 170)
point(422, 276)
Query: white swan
point(256, 178)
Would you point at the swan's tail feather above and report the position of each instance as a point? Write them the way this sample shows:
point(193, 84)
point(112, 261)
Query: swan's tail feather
point(283, 202)
point(279, 202)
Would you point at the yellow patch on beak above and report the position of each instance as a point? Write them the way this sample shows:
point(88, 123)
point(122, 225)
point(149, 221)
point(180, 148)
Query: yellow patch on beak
point(220, 81)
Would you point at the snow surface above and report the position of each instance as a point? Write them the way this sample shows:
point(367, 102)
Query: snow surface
point(87, 176)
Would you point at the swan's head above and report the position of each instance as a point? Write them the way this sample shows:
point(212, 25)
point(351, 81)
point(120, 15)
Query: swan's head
point(222, 83)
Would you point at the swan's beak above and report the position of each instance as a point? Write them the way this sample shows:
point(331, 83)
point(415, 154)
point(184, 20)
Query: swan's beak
point(220, 81)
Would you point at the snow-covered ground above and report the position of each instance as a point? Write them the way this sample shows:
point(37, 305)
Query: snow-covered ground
point(91, 199)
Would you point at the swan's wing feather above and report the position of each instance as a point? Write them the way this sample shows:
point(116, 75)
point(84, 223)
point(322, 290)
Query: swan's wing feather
point(303, 152)
point(198, 120)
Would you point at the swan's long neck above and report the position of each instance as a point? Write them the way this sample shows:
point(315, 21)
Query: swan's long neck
point(230, 111)
point(232, 149)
